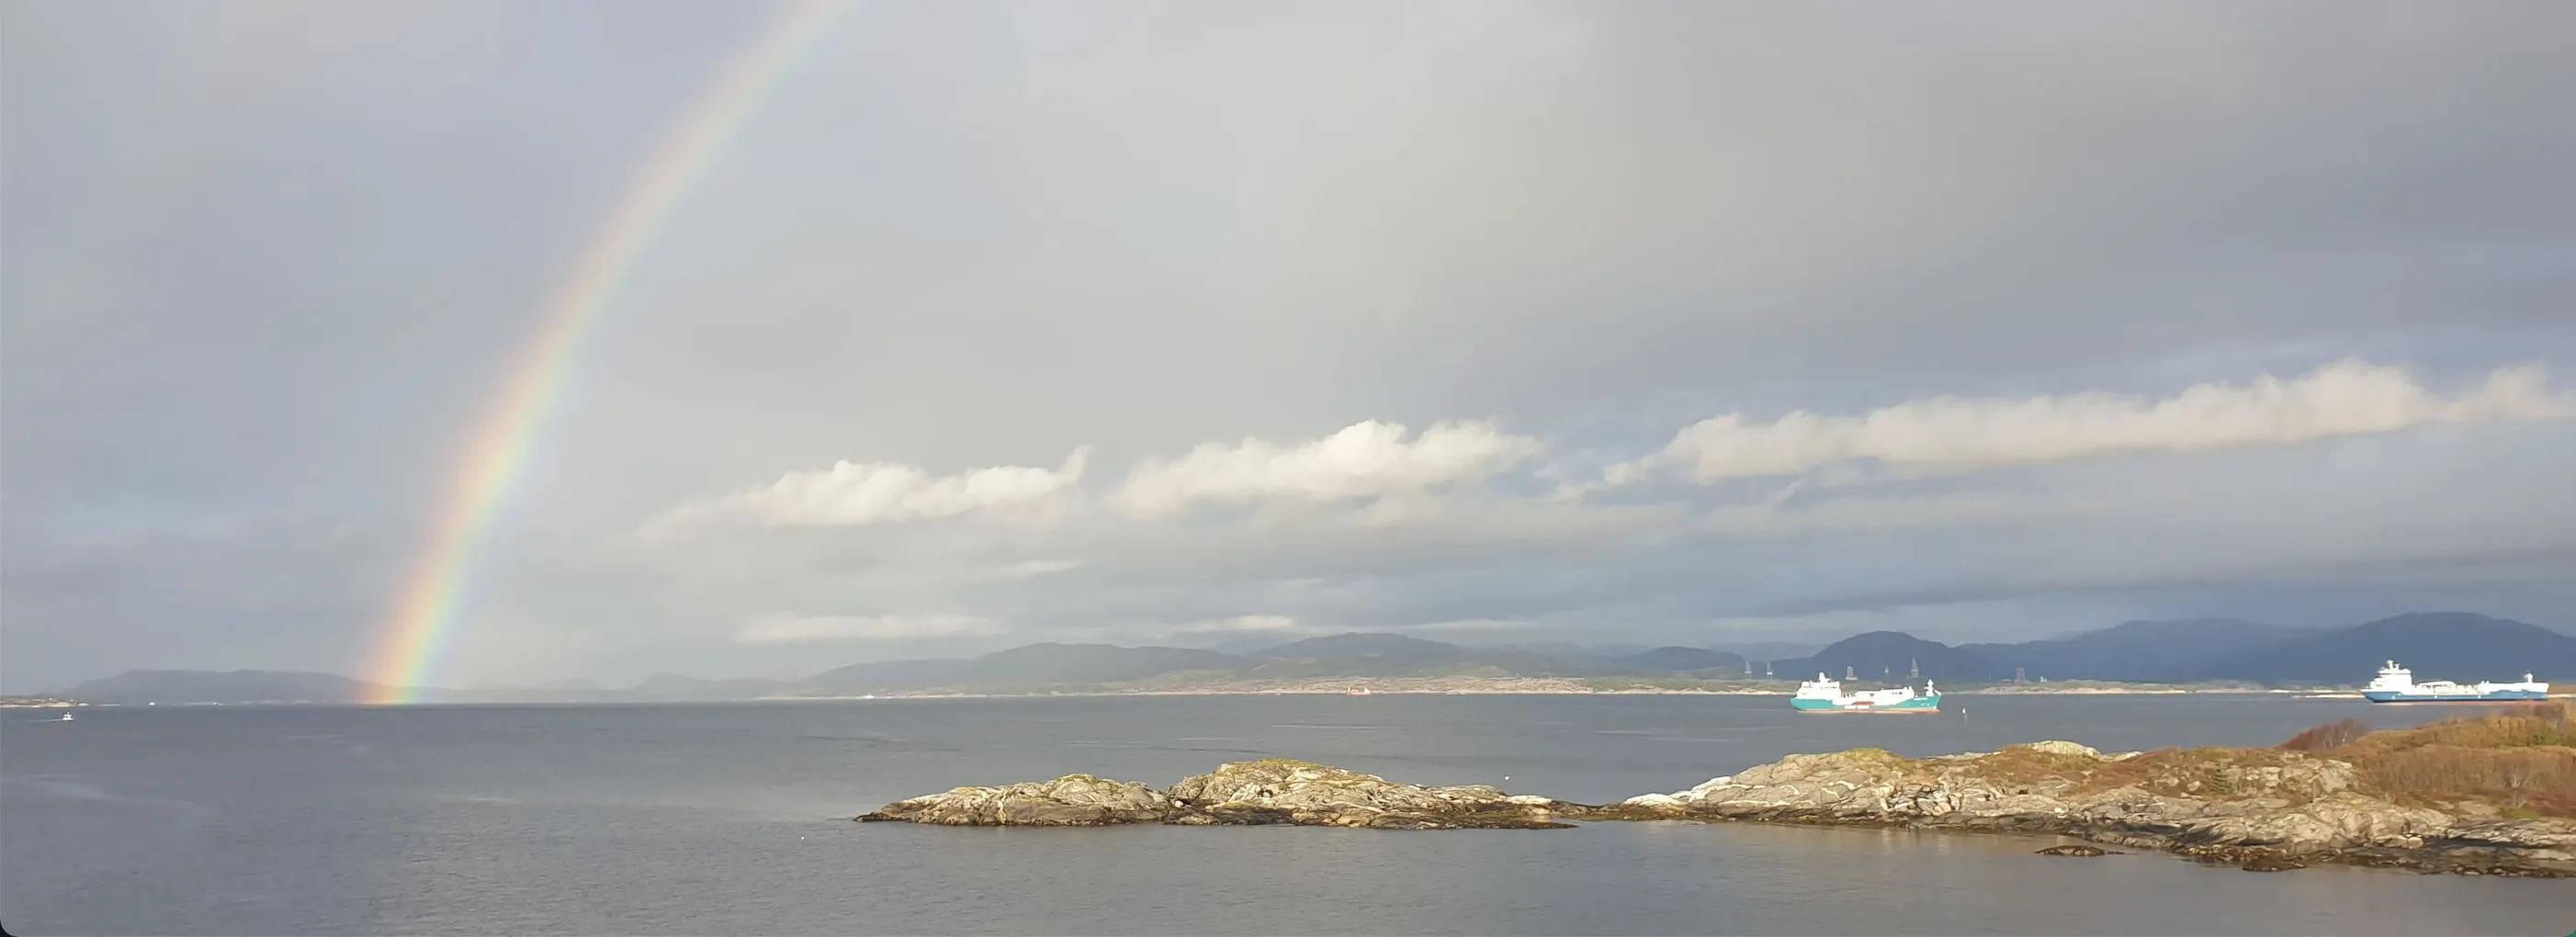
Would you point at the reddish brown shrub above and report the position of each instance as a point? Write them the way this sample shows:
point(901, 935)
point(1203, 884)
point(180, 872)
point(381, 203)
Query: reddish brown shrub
point(2542, 724)
point(2330, 735)
point(2521, 758)
point(2541, 780)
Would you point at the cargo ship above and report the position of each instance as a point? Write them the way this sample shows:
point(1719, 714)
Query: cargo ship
point(1822, 695)
point(2397, 685)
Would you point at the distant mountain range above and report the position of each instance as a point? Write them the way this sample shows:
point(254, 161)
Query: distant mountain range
point(2148, 651)
point(2438, 645)
point(238, 686)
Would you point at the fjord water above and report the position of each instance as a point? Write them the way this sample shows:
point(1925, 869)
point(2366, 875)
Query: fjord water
point(734, 819)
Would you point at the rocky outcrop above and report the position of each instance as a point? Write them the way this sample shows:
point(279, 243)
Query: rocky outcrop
point(2262, 810)
point(1308, 794)
point(2272, 863)
point(1271, 791)
point(2255, 808)
point(1072, 800)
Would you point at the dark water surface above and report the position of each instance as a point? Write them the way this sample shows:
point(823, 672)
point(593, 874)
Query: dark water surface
point(733, 819)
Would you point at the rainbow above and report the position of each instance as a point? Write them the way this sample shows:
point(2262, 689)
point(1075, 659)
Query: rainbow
point(423, 613)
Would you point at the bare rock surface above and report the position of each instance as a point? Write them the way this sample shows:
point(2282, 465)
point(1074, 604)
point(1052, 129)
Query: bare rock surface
point(1271, 791)
point(1072, 800)
point(2259, 809)
point(1283, 790)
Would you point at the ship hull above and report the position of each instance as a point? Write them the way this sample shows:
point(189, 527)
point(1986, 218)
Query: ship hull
point(1920, 705)
point(2499, 696)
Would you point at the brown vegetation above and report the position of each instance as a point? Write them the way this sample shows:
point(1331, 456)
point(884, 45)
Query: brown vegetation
point(2521, 759)
point(2330, 735)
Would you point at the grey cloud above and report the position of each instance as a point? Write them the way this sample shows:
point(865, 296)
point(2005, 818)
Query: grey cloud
point(850, 494)
point(268, 260)
point(2252, 517)
point(2345, 398)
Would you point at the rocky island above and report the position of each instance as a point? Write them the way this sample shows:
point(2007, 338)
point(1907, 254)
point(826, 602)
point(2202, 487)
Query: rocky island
point(1270, 791)
point(2493, 795)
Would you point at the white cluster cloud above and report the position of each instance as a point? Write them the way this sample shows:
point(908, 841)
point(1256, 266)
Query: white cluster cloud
point(1366, 459)
point(1475, 625)
point(1270, 629)
point(1027, 568)
point(805, 629)
point(856, 493)
point(2346, 398)
point(1251, 624)
point(1375, 459)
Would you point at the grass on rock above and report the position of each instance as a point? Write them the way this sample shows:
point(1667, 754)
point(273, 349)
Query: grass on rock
point(2520, 759)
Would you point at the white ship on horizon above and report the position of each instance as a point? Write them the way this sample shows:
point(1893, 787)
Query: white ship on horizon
point(2397, 684)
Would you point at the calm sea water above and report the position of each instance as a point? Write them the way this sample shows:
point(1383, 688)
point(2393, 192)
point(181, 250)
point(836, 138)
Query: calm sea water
point(733, 819)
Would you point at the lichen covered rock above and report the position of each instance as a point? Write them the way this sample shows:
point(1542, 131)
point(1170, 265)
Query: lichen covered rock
point(2252, 808)
point(2238, 806)
point(2343, 820)
point(2055, 747)
point(1281, 790)
point(1072, 800)
point(1273, 791)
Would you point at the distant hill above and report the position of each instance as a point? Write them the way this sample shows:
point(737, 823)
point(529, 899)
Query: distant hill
point(2435, 645)
point(1385, 648)
point(174, 687)
point(2445, 645)
point(1685, 660)
point(1565, 649)
point(1765, 651)
point(1531, 664)
point(1363, 654)
point(541, 693)
point(1245, 646)
point(1034, 665)
point(2142, 651)
point(677, 688)
point(1888, 655)
point(1357, 654)
point(181, 687)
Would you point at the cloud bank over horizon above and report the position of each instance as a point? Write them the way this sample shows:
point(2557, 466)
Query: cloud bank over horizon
point(2344, 398)
point(1521, 321)
point(1372, 459)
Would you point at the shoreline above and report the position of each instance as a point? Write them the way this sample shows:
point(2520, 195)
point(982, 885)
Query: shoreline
point(2498, 863)
point(1303, 690)
point(1500, 691)
point(2339, 794)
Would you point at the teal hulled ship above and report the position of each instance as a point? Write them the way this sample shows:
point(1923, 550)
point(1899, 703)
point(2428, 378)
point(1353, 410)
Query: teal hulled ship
point(1826, 696)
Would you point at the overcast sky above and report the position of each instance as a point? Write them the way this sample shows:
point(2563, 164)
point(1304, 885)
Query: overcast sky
point(1130, 322)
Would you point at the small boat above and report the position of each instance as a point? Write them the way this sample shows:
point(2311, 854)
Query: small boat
point(1363, 691)
point(1824, 695)
point(67, 717)
point(2397, 684)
